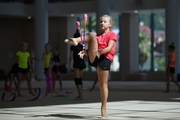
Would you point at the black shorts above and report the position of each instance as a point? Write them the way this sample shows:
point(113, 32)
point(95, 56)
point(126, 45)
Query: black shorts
point(171, 69)
point(23, 71)
point(102, 62)
point(79, 64)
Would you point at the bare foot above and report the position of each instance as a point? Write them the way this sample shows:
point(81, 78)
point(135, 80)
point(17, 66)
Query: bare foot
point(71, 41)
point(104, 116)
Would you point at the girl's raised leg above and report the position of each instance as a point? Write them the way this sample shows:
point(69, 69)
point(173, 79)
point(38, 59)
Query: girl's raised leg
point(90, 38)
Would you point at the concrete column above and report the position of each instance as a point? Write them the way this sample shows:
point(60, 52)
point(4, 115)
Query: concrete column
point(41, 33)
point(102, 8)
point(129, 43)
point(71, 29)
point(173, 28)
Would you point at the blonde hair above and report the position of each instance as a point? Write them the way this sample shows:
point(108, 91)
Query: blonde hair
point(110, 19)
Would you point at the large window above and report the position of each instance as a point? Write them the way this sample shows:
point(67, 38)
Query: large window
point(151, 41)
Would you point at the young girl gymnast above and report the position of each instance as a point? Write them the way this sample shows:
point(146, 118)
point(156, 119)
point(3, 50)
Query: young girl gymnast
point(100, 53)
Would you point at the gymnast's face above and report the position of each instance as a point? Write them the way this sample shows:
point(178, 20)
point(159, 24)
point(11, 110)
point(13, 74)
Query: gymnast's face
point(105, 23)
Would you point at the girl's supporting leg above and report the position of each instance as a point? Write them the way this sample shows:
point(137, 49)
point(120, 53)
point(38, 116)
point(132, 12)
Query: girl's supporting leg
point(90, 38)
point(103, 86)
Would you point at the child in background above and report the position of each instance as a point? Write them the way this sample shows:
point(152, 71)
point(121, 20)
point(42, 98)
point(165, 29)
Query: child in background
point(23, 59)
point(47, 59)
point(100, 52)
point(78, 65)
point(171, 67)
point(57, 61)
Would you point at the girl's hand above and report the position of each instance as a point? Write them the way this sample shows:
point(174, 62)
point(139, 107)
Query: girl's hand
point(82, 53)
point(98, 54)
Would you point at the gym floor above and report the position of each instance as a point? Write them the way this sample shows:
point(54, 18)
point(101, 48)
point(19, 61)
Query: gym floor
point(127, 101)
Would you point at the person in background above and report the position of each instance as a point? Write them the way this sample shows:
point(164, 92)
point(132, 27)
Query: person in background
point(171, 67)
point(23, 60)
point(78, 65)
point(47, 59)
point(57, 61)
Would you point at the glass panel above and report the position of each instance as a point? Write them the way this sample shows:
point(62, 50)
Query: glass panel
point(144, 42)
point(159, 41)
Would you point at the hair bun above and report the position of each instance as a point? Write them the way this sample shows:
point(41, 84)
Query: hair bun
point(172, 43)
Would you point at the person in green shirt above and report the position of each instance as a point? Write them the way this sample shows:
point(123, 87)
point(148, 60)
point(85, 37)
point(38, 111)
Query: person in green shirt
point(47, 59)
point(23, 59)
